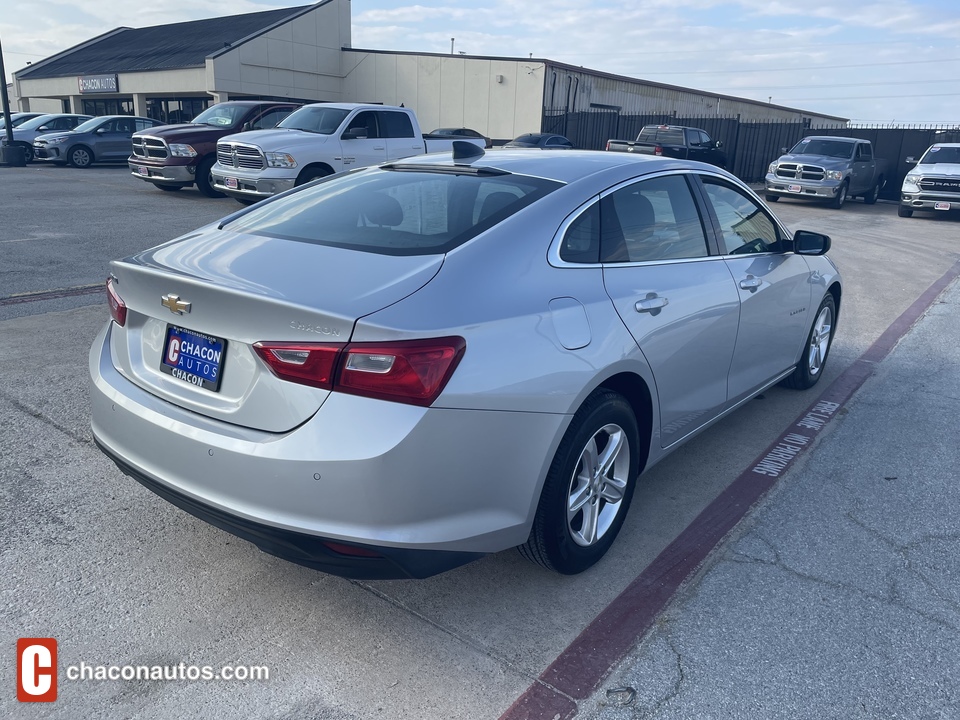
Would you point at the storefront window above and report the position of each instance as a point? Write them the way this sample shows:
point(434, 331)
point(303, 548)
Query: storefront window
point(176, 110)
point(111, 106)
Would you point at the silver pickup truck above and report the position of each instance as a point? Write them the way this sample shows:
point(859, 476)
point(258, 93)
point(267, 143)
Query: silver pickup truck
point(934, 184)
point(829, 169)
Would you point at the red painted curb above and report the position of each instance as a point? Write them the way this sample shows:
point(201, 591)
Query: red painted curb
point(577, 673)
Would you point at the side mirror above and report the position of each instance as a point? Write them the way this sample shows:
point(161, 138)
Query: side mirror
point(354, 134)
point(101, 131)
point(783, 150)
point(43, 128)
point(806, 242)
point(247, 126)
point(911, 160)
point(718, 144)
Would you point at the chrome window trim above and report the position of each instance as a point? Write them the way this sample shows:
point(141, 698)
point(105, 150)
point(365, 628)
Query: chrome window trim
point(553, 254)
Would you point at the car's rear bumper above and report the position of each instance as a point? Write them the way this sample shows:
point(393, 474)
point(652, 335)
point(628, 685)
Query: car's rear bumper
point(426, 489)
point(359, 562)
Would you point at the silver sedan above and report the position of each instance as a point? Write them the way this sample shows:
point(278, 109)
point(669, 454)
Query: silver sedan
point(395, 370)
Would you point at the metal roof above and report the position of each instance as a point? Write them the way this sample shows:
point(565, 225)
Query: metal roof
point(161, 47)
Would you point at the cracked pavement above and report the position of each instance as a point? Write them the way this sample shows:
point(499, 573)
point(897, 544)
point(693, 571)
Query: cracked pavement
point(839, 596)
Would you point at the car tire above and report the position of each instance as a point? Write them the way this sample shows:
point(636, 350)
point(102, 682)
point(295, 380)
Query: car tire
point(312, 174)
point(588, 488)
point(80, 156)
point(168, 188)
point(28, 156)
point(841, 197)
point(205, 178)
point(817, 348)
point(771, 198)
point(871, 197)
point(904, 211)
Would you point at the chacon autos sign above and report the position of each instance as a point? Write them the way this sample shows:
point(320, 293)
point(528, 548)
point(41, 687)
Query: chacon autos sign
point(98, 84)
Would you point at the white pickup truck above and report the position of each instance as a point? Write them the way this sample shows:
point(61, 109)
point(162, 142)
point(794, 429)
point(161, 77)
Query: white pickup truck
point(319, 140)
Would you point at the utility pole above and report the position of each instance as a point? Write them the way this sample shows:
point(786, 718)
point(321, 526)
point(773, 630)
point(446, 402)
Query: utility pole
point(10, 154)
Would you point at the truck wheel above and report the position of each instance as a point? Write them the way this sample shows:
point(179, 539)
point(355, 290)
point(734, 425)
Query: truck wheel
point(771, 198)
point(205, 178)
point(841, 197)
point(904, 211)
point(871, 197)
point(312, 174)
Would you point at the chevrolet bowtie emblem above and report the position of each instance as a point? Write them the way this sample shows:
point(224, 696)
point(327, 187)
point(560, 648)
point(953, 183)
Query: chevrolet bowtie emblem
point(175, 304)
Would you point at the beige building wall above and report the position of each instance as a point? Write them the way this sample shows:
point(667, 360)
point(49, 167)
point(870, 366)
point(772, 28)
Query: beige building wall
point(499, 98)
point(299, 59)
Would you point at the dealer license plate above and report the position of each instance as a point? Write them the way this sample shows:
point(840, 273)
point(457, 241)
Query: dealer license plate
point(193, 357)
point(794, 188)
point(941, 206)
point(143, 171)
point(230, 183)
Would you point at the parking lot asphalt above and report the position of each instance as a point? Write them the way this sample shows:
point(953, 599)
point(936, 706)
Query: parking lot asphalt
point(120, 577)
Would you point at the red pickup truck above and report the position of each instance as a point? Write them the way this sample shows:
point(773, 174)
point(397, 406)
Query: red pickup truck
point(173, 157)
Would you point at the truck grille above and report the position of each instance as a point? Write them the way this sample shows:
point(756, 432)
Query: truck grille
point(149, 147)
point(793, 171)
point(945, 185)
point(236, 155)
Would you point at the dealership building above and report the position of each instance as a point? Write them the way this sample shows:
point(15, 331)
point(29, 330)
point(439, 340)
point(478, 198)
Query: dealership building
point(172, 72)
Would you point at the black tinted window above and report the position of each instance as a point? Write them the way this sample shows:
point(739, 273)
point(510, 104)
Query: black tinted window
point(654, 219)
point(581, 241)
point(395, 125)
point(395, 212)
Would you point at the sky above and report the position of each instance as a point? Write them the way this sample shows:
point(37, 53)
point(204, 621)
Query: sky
point(882, 61)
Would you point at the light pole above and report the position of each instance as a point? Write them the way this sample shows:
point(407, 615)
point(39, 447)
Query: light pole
point(10, 154)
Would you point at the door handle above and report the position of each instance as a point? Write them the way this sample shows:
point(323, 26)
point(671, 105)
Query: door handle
point(380, 147)
point(751, 283)
point(652, 304)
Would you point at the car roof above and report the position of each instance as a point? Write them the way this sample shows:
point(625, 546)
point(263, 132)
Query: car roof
point(562, 167)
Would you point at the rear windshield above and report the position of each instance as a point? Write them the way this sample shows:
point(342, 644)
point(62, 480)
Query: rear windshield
point(395, 211)
point(322, 120)
point(826, 148)
point(666, 136)
point(936, 155)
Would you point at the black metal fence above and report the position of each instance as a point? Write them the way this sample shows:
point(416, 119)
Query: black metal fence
point(752, 145)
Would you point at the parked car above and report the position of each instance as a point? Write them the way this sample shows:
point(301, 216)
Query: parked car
point(177, 156)
point(101, 139)
point(395, 370)
point(462, 133)
point(674, 141)
point(544, 141)
point(18, 118)
point(827, 168)
point(27, 132)
point(318, 140)
point(934, 184)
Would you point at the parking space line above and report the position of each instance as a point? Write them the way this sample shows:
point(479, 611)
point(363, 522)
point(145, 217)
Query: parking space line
point(580, 669)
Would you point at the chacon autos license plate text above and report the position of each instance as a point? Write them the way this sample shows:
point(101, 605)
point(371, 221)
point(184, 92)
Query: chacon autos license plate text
point(193, 357)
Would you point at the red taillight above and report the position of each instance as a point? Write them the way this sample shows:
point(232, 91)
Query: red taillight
point(352, 550)
point(407, 371)
point(305, 363)
point(118, 311)
point(658, 150)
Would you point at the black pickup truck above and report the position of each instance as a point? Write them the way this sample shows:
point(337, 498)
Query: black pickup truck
point(673, 141)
